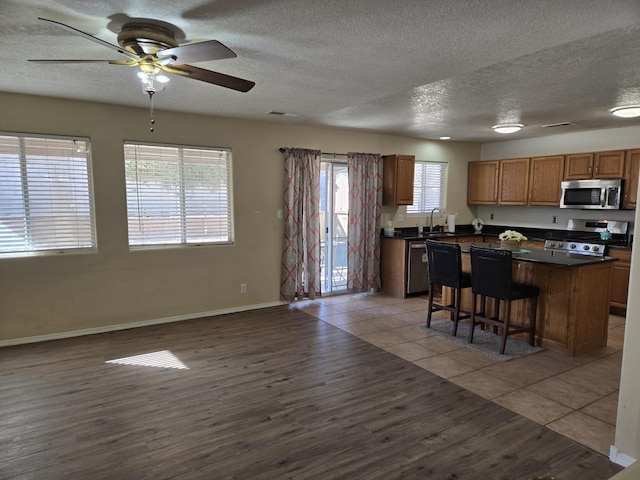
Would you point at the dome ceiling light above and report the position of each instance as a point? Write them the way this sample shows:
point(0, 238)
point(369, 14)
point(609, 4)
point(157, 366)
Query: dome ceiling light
point(508, 127)
point(627, 111)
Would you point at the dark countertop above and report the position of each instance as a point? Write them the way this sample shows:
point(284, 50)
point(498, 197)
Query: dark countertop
point(560, 259)
point(536, 234)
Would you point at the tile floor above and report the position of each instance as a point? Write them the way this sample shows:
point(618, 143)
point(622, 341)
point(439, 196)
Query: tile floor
point(576, 397)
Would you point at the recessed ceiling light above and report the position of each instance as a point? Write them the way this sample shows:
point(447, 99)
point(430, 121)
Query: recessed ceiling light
point(628, 111)
point(445, 138)
point(508, 127)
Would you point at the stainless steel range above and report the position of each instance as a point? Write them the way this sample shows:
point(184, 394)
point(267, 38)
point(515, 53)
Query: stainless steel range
point(583, 237)
point(575, 247)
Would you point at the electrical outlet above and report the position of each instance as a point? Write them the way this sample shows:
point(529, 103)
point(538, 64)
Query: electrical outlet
point(400, 218)
point(555, 219)
point(491, 216)
point(243, 288)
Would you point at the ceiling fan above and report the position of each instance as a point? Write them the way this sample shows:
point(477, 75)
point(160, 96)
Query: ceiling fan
point(154, 49)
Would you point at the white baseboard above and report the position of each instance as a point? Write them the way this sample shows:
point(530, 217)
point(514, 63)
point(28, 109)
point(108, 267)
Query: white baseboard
point(620, 458)
point(125, 326)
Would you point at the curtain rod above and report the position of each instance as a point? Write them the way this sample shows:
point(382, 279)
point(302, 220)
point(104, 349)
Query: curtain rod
point(282, 150)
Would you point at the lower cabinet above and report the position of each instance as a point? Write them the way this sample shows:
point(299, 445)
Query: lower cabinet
point(393, 267)
point(619, 279)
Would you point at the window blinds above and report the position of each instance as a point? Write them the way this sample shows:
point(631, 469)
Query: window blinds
point(429, 187)
point(177, 195)
point(46, 198)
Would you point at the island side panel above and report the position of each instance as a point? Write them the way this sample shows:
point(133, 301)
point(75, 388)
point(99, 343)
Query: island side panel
point(573, 306)
point(590, 307)
point(554, 303)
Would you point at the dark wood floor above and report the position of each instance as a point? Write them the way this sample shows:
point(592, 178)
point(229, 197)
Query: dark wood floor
point(268, 394)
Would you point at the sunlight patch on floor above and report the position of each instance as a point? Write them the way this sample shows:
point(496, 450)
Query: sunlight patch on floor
point(161, 359)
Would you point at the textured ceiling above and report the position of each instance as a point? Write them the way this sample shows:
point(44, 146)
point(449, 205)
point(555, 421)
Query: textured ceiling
point(422, 68)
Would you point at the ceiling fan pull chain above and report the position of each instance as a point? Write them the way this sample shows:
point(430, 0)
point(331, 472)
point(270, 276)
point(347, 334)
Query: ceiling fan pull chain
point(153, 121)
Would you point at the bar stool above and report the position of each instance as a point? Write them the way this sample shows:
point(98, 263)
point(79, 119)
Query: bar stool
point(492, 277)
point(444, 262)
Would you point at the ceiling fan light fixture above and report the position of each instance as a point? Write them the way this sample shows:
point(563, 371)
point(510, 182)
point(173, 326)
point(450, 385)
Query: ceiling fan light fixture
point(626, 111)
point(508, 127)
point(152, 82)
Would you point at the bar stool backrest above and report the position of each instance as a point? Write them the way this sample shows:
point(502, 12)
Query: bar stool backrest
point(491, 272)
point(444, 263)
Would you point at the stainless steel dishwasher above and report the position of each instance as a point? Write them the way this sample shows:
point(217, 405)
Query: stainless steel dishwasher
point(417, 271)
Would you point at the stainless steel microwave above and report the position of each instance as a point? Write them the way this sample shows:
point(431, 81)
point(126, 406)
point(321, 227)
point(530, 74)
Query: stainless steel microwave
point(592, 194)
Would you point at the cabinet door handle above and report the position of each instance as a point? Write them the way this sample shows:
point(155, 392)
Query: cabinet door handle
point(596, 170)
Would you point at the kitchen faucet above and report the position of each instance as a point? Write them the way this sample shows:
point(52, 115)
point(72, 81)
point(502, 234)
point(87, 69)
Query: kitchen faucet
point(431, 219)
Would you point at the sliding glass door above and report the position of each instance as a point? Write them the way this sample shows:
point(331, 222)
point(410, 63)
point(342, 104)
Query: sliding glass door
point(334, 222)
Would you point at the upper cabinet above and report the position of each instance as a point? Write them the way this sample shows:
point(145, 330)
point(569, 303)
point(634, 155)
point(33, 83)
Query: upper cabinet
point(513, 186)
point(545, 175)
point(537, 181)
point(397, 179)
point(531, 181)
point(583, 166)
point(632, 166)
point(578, 166)
point(482, 183)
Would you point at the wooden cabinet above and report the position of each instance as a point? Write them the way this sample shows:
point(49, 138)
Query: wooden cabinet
point(619, 285)
point(519, 181)
point(535, 244)
point(631, 168)
point(583, 166)
point(397, 179)
point(482, 183)
point(578, 166)
point(514, 182)
point(545, 175)
point(393, 267)
point(609, 164)
point(462, 239)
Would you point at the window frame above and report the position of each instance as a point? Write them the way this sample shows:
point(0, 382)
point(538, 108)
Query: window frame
point(420, 205)
point(86, 194)
point(184, 240)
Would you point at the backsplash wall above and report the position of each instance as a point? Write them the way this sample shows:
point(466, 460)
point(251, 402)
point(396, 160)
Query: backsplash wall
point(542, 217)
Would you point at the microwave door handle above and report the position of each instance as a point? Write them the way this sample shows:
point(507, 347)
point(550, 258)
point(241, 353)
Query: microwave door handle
point(603, 197)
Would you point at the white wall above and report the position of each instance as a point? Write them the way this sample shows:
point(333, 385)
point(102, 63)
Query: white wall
point(49, 295)
point(626, 448)
point(593, 141)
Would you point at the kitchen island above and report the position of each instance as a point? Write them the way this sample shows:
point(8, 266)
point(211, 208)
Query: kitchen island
point(573, 306)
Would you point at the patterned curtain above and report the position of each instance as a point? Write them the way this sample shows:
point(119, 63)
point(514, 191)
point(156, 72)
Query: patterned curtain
point(300, 275)
point(365, 210)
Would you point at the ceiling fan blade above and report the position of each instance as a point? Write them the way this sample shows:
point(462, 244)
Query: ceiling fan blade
point(90, 37)
point(208, 76)
point(198, 52)
point(112, 62)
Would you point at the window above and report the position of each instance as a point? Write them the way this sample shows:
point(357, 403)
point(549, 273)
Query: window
point(178, 195)
point(46, 198)
point(429, 187)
